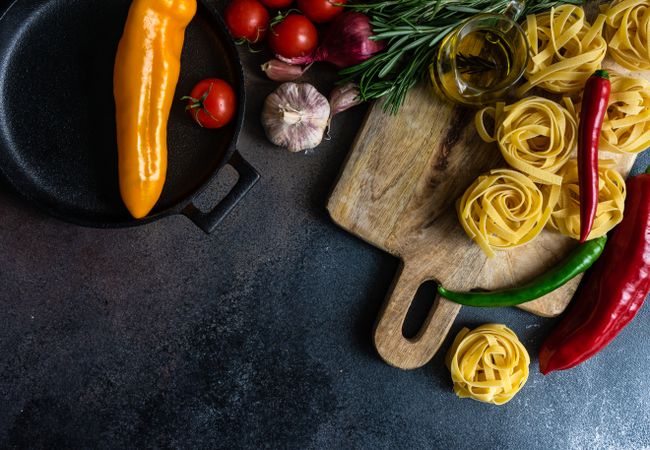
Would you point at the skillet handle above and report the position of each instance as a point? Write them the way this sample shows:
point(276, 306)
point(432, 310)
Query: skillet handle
point(208, 221)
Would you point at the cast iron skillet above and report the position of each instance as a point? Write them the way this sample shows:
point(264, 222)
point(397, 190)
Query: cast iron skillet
point(57, 115)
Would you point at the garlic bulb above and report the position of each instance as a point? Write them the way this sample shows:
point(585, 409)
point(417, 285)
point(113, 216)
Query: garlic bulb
point(295, 116)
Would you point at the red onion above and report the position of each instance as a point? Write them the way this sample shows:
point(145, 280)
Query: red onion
point(346, 43)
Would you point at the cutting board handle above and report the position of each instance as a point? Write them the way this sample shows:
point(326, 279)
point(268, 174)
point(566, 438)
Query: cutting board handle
point(393, 347)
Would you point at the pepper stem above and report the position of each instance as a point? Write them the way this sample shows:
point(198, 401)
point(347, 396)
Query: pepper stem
point(602, 74)
point(647, 170)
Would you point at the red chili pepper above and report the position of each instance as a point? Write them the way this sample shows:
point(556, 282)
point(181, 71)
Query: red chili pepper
point(613, 292)
point(594, 106)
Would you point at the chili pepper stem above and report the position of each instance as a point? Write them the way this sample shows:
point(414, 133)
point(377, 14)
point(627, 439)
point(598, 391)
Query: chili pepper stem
point(601, 74)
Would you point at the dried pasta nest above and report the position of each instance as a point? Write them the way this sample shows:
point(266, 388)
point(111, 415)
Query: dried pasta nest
point(504, 209)
point(627, 29)
point(488, 364)
point(565, 49)
point(536, 136)
point(611, 201)
point(626, 128)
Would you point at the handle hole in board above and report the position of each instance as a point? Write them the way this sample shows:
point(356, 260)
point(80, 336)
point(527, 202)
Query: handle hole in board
point(420, 308)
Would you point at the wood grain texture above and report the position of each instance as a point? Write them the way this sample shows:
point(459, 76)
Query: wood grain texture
point(398, 191)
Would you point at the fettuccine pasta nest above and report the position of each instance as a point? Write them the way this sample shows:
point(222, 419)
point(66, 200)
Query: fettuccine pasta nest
point(611, 201)
point(626, 128)
point(565, 49)
point(488, 364)
point(504, 209)
point(627, 29)
point(536, 136)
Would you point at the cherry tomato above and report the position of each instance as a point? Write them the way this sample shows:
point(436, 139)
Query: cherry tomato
point(294, 36)
point(277, 4)
point(321, 11)
point(212, 103)
point(247, 19)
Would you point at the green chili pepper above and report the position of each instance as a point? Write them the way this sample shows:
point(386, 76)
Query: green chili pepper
point(577, 262)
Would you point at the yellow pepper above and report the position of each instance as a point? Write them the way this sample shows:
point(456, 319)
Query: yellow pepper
point(147, 67)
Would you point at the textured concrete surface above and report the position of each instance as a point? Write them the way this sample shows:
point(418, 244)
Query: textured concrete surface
point(259, 335)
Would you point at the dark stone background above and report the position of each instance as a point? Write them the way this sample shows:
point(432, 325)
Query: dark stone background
point(260, 334)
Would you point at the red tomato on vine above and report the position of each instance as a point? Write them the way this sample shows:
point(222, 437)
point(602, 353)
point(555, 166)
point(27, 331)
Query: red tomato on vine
point(212, 103)
point(247, 19)
point(277, 4)
point(294, 36)
point(321, 11)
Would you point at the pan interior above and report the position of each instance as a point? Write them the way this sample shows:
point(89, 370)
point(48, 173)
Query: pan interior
point(57, 114)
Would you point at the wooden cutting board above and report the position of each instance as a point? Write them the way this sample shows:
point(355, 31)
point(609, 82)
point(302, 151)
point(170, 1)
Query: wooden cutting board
point(397, 191)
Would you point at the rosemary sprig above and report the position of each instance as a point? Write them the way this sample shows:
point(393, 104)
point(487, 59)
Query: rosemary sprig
point(412, 29)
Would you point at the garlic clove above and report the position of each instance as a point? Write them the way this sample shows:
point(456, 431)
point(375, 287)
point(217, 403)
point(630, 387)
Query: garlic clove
point(344, 97)
point(281, 71)
point(295, 116)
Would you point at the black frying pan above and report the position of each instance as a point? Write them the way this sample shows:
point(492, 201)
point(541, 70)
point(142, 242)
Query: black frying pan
point(57, 117)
